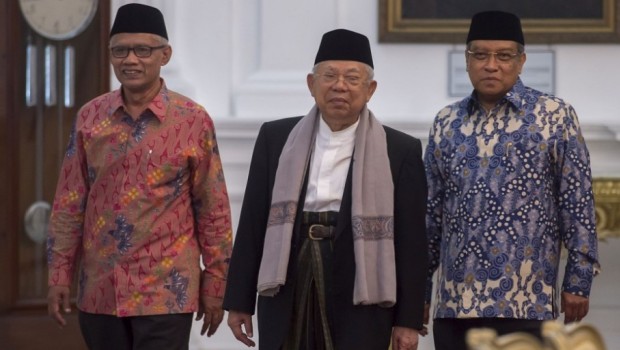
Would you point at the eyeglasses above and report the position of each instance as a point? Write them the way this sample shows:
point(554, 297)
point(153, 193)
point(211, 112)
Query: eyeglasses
point(139, 51)
point(330, 78)
point(500, 56)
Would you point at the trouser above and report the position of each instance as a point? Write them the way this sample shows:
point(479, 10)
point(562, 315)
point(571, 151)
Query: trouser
point(310, 324)
point(153, 332)
point(449, 333)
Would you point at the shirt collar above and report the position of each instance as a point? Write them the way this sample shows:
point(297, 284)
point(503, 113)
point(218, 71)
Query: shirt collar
point(158, 106)
point(514, 97)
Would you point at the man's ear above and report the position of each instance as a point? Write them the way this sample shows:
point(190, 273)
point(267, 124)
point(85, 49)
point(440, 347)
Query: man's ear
point(372, 87)
point(310, 82)
point(167, 55)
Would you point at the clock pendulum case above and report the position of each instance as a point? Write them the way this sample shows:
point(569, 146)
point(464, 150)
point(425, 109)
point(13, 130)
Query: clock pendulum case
point(51, 24)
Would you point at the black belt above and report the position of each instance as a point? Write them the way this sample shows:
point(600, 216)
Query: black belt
point(319, 225)
point(318, 232)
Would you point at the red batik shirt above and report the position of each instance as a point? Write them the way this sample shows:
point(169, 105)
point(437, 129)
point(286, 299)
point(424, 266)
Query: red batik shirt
point(138, 202)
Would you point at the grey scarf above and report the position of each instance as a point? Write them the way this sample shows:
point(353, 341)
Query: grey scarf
point(372, 211)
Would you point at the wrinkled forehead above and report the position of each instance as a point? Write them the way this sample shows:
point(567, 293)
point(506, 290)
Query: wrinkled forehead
point(136, 39)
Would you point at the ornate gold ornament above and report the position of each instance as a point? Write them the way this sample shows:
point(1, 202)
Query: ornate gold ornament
point(607, 207)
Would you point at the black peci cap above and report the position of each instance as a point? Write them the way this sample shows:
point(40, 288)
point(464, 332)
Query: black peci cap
point(344, 45)
point(495, 25)
point(139, 18)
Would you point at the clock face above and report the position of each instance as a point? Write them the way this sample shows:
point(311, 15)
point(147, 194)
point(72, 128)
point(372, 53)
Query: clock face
point(58, 19)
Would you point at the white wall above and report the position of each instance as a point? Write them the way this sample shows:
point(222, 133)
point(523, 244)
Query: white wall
point(246, 62)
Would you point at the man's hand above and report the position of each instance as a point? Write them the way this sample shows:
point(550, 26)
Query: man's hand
point(237, 320)
point(57, 298)
point(404, 338)
point(574, 307)
point(211, 309)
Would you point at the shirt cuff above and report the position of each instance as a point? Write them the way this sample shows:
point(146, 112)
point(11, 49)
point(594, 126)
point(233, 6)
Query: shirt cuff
point(59, 277)
point(212, 286)
point(578, 277)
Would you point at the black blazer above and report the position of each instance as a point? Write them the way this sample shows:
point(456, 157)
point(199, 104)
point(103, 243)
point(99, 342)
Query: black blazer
point(353, 327)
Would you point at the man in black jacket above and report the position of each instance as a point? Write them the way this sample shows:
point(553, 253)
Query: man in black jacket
point(332, 232)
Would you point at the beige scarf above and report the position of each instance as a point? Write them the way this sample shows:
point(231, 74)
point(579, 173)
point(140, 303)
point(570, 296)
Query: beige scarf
point(372, 211)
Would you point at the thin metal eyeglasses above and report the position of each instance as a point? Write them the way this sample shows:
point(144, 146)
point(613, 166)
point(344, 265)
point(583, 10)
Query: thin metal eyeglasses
point(330, 78)
point(139, 51)
point(500, 56)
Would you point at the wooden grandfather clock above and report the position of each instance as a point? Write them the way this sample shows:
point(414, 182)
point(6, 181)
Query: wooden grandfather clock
point(53, 59)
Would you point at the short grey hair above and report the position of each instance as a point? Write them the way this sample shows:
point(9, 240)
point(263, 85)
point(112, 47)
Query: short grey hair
point(162, 40)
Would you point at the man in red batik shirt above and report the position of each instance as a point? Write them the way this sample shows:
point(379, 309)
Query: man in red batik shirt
point(141, 198)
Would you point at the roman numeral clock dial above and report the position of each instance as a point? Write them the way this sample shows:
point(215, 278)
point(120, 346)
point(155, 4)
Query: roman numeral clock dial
point(58, 19)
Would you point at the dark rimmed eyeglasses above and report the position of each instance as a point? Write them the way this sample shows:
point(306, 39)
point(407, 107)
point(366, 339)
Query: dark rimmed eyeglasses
point(500, 56)
point(139, 51)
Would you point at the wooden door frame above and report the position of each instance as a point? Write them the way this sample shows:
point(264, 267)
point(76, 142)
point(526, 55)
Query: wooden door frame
point(9, 41)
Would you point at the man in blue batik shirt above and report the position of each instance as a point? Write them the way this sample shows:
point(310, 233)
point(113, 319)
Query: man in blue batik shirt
point(509, 182)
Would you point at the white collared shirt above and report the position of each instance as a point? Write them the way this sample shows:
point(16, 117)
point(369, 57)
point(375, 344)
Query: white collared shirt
point(329, 167)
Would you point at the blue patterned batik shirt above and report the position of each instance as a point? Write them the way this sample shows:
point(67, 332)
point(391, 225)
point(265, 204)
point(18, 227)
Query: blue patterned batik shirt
point(506, 189)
